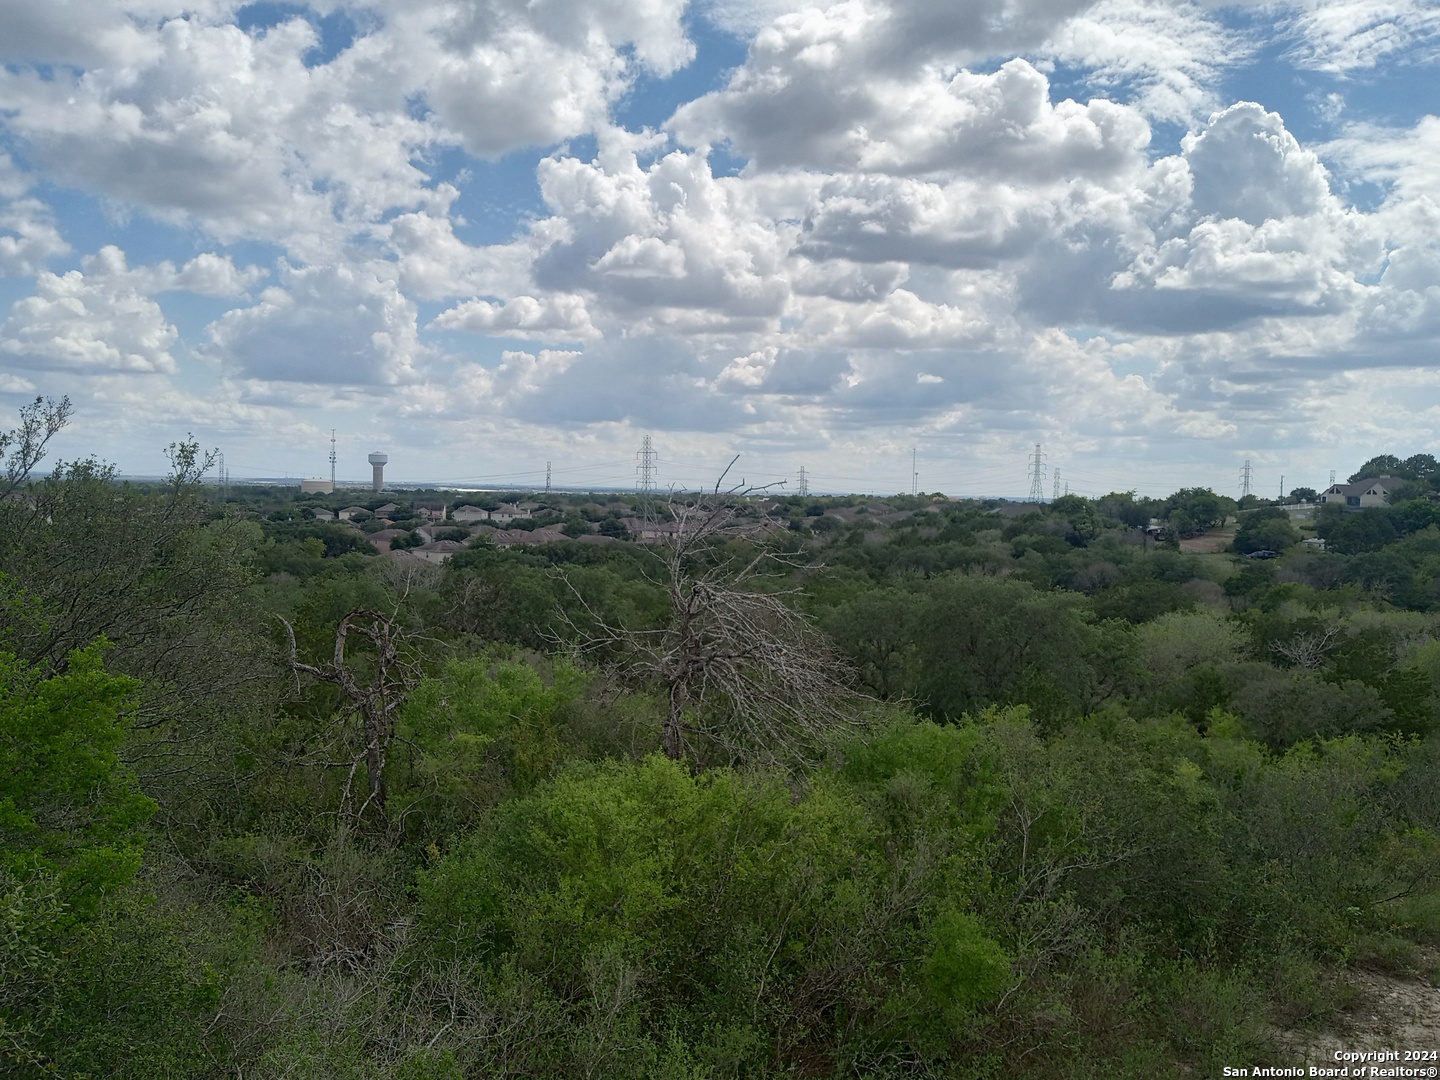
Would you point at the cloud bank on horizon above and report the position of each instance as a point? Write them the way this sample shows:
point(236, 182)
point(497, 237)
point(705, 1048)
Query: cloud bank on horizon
point(1155, 236)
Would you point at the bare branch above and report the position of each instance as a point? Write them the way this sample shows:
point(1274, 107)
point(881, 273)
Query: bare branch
point(1306, 650)
point(375, 702)
point(743, 671)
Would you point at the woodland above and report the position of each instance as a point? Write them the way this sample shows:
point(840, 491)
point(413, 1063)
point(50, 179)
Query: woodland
point(805, 787)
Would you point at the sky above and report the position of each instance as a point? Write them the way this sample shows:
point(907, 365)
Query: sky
point(1157, 238)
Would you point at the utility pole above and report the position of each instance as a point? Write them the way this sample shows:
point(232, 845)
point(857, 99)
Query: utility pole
point(1282, 485)
point(914, 476)
point(547, 478)
point(332, 459)
point(803, 487)
point(1037, 475)
point(1245, 474)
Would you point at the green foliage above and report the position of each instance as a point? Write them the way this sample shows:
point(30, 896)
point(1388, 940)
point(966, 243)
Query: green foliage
point(69, 810)
point(1266, 529)
point(753, 923)
point(482, 727)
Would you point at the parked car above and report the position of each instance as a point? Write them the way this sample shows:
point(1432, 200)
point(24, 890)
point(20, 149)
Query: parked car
point(1262, 555)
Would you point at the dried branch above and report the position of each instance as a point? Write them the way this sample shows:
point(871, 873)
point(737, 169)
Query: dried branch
point(742, 670)
point(375, 701)
point(1306, 650)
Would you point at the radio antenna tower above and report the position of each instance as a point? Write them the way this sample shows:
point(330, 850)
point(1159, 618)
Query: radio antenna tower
point(332, 459)
point(547, 478)
point(1037, 475)
point(914, 476)
point(803, 485)
point(1245, 474)
point(1057, 484)
point(224, 479)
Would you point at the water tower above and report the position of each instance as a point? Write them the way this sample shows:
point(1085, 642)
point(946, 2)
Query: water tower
point(377, 462)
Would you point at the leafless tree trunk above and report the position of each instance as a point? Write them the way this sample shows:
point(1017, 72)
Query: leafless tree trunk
point(375, 701)
point(742, 670)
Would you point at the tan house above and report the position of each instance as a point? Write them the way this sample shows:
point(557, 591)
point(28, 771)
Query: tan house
point(352, 512)
point(508, 512)
point(1363, 494)
point(438, 551)
point(466, 514)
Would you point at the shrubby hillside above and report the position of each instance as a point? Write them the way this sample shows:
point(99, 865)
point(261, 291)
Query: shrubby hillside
point(791, 787)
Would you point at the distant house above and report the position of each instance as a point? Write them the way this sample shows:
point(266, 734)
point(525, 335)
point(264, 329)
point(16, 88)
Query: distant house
point(352, 512)
point(388, 510)
point(466, 514)
point(319, 513)
point(508, 512)
point(432, 511)
point(650, 531)
point(1363, 494)
point(438, 552)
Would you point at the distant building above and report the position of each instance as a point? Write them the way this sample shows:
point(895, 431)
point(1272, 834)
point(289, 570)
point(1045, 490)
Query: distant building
point(351, 512)
point(438, 551)
point(1363, 494)
point(316, 487)
point(466, 514)
point(319, 513)
point(508, 512)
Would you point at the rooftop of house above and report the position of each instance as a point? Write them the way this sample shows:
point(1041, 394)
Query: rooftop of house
point(1361, 487)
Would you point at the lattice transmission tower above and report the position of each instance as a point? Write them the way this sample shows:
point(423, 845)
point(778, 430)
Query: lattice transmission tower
point(1056, 489)
point(332, 459)
point(547, 478)
point(802, 485)
point(645, 475)
point(1245, 476)
point(1037, 475)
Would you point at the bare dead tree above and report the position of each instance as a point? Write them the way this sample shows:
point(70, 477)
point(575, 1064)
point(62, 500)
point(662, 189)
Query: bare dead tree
point(741, 668)
point(374, 701)
point(1307, 651)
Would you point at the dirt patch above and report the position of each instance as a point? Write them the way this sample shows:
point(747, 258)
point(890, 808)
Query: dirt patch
point(1209, 542)
point(1390, 1012)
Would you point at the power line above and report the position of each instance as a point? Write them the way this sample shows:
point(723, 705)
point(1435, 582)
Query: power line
point(1037, 475)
